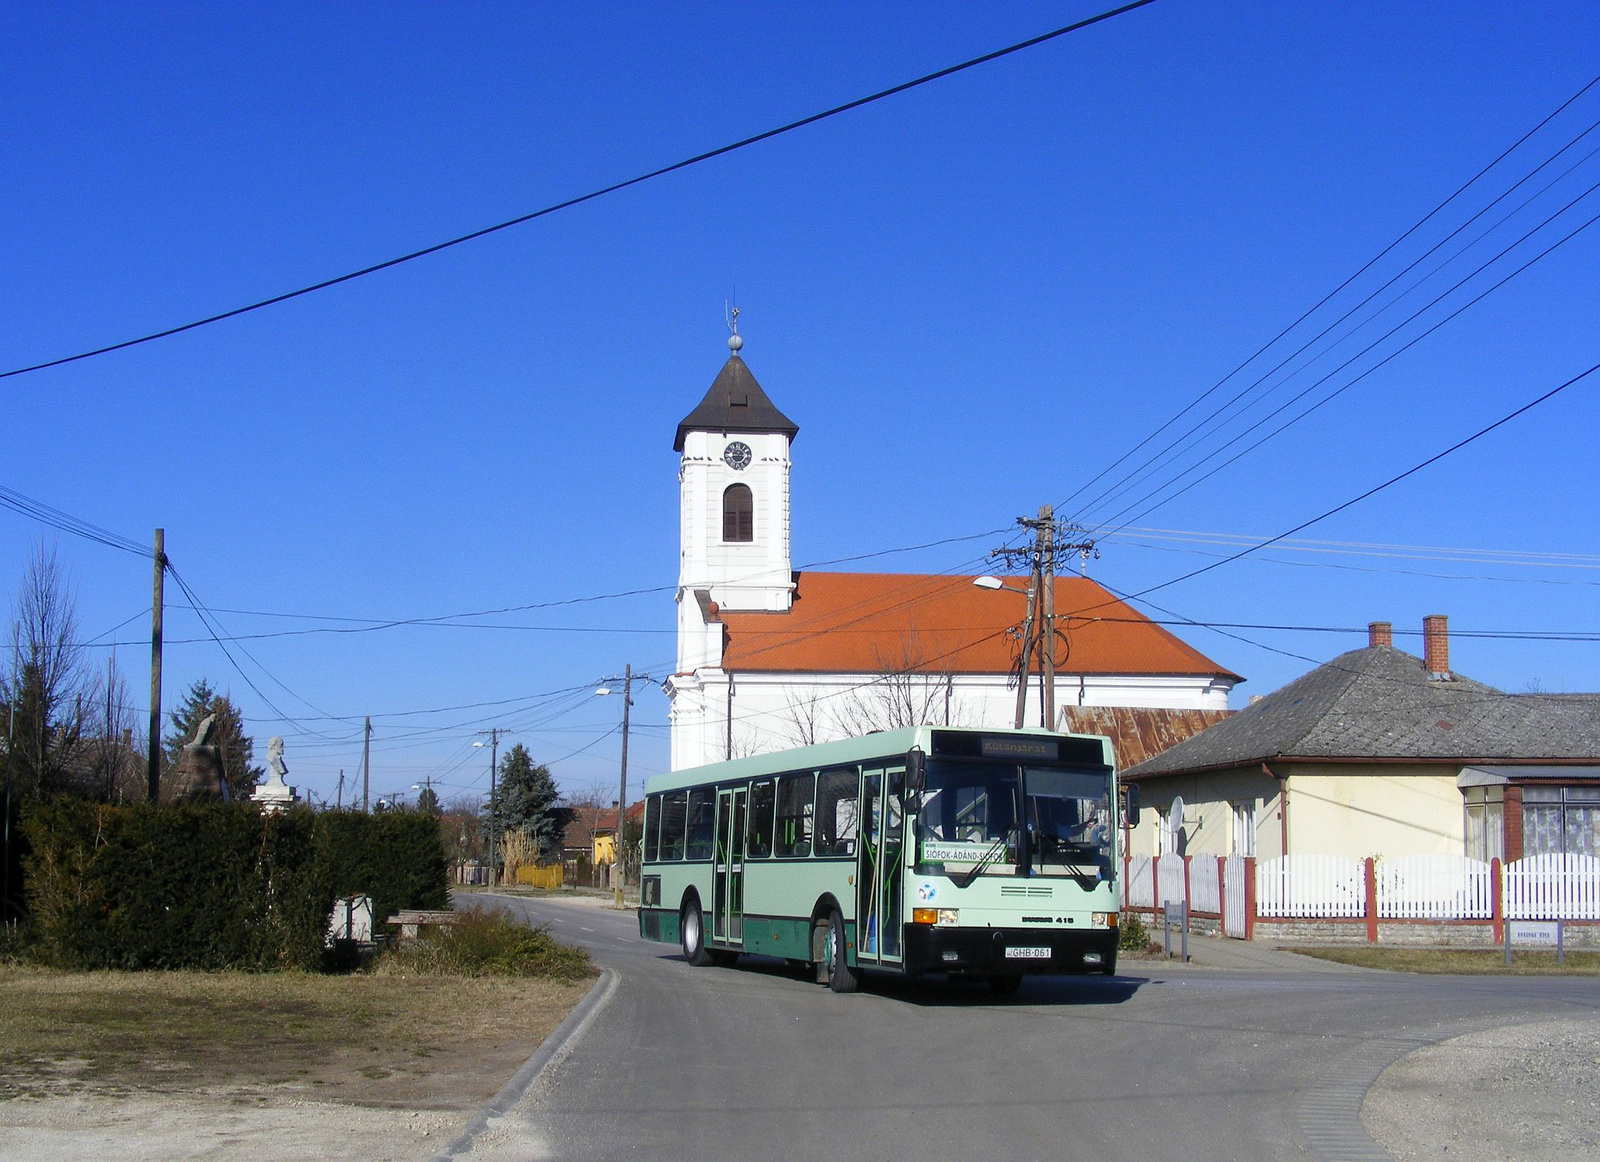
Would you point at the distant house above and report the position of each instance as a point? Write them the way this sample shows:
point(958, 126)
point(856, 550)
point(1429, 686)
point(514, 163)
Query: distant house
point(1380, 753)
point(590, 833)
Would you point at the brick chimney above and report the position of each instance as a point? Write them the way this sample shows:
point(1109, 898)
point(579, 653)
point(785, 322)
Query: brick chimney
point(1380, 633)
point(1436, 646)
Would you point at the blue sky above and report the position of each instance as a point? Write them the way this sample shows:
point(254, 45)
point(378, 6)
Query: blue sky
point(972, 298)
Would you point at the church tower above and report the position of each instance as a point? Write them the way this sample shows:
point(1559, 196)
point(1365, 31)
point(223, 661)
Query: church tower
point(733, 485)
point(733, 519)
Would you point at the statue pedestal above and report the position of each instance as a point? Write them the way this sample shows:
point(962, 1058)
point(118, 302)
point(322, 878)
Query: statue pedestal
point(274, 796)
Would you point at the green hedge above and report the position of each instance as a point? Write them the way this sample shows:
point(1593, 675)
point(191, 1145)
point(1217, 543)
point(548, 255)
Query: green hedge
point(397, 858)
point(212, 886)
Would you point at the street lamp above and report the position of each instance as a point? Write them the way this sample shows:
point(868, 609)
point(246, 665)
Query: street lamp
point(1031, 593)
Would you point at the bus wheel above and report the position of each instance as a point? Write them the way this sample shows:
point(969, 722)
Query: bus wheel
point(1004, 986)
point(841, 977)
point(1110, 966)
point(692, 927)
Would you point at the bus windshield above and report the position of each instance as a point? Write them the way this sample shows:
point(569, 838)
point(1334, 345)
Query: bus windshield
point(972, 813)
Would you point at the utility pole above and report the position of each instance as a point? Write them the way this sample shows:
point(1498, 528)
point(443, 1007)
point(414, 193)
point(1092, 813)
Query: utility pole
point(622, 791)
point(494, 752)
point(153, 754)
point(338, 799)
point(366, 766)
point(1039, 625)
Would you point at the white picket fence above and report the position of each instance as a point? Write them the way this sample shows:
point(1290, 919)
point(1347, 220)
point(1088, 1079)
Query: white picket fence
point(1435, 887)
point(1553, 887)
point(1413, 887)
point(1205, 893)
point(1311, 885)
point(1139, 883)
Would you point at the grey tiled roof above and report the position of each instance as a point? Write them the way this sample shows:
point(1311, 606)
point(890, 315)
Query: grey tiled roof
point(735, 403)
point(1381, 703)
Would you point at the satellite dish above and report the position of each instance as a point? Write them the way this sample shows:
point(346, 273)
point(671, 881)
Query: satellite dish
point(1176, 815)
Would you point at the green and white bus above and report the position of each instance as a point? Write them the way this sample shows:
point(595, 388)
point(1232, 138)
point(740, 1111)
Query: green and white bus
point(976, 853)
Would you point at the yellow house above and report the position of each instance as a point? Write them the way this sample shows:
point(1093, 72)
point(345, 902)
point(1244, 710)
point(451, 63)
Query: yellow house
point(1379, 753)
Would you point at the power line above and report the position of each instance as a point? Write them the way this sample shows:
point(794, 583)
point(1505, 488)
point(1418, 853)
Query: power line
point(1335, 291)
point(1218, 418)
point(593, 194)
point(1393, 480)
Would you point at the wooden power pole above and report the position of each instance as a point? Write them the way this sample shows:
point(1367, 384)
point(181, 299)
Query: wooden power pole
point(153, 752)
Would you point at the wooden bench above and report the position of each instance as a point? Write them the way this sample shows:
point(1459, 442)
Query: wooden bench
point(411, 921)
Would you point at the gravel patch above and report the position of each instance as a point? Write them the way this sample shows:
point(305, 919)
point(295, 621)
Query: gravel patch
point(1521, 1093)
point(216, 1129)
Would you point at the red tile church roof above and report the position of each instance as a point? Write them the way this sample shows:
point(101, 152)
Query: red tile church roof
point(873, 622)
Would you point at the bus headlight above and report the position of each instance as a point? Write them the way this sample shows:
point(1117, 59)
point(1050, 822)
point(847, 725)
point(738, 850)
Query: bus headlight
point(945, 916)
point(949, 915)
point(1102, 919)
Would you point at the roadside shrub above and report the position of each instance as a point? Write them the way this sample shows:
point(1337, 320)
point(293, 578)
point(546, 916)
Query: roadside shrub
point(483, 943)
point(1132, 935)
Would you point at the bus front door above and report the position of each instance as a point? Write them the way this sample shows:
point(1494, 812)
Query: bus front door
point(879, 878)
point(727, 918)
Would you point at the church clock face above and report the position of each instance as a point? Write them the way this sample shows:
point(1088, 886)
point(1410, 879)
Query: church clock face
point(737, 456)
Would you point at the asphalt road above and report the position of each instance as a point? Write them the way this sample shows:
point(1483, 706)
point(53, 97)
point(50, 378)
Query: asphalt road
point(1162, 1061)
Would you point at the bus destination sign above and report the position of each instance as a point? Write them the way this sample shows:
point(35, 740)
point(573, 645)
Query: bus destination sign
point(1019, 748)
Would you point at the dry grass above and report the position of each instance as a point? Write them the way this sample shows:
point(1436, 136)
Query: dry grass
point(386, 1040)
point(1461, 961)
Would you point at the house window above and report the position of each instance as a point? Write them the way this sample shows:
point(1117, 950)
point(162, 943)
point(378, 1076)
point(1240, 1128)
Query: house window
point(738, 514)
point(1561, 820)
point(1165, 843)
point(1243, 836)
point(1485, 830)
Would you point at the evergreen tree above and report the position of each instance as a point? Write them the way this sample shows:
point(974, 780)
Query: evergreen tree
point(227, 733)
point(428, 801)
point(525, 798)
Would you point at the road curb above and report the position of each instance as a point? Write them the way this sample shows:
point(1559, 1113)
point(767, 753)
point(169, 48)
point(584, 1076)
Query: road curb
point(560, 1041)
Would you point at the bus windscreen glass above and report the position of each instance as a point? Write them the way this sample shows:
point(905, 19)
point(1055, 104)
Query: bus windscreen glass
point(972, 813)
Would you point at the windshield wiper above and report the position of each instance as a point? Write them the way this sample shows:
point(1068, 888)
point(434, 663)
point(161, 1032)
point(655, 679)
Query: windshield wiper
point(985, 860)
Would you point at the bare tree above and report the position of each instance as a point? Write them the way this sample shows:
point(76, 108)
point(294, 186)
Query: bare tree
point(908, 690)
point(805, 721)
point(46, 691)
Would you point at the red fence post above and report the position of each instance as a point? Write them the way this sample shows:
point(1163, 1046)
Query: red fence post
point(1222, 894)
point(1188, 898)
point(1497, 908)
point(1249, 897)
point(1372, 900)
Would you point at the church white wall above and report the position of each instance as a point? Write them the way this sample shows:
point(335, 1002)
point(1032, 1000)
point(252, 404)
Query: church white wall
point(775, 711)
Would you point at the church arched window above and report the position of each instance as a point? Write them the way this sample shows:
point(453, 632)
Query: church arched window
point(738, 513)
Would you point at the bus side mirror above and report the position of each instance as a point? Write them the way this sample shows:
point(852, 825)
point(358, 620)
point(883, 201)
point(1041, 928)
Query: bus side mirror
point(916, 769)
point(1130, 803)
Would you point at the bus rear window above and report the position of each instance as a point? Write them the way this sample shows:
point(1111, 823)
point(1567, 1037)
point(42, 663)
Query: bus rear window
point(672, 819)
point(796, 802)
point(702, 825)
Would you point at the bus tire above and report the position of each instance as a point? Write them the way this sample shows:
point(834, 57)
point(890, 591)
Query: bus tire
point(841, 977)
point(692, 929)
point(1109, 968)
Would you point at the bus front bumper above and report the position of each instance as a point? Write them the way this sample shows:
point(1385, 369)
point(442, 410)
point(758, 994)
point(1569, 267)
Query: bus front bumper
point(1008, 951)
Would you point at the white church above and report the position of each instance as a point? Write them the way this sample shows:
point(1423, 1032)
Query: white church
point(769, 658)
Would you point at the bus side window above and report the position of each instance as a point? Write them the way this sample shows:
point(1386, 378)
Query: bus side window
point(836, 813)
point(796, 803)
point(702, 824)
point(672, 821)
point(652, 829)
point(758, 830)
